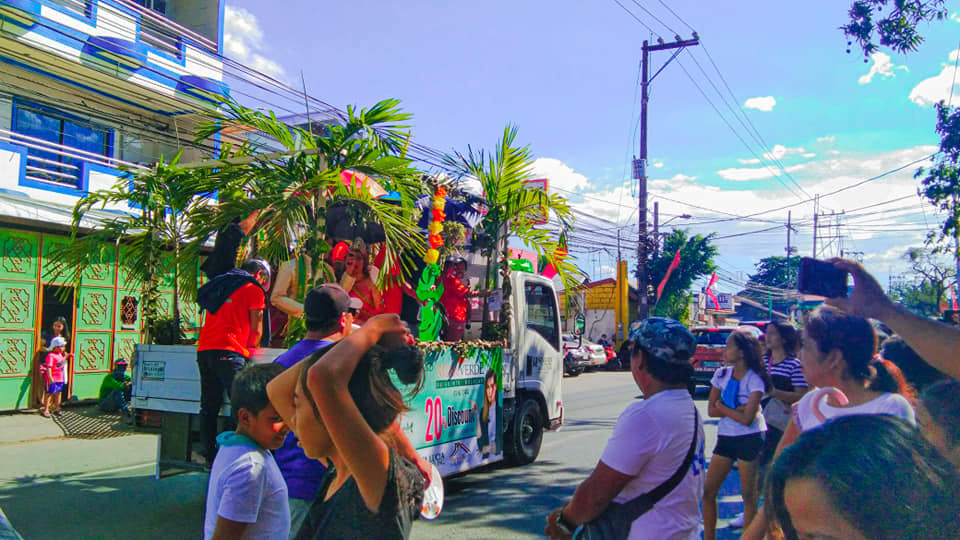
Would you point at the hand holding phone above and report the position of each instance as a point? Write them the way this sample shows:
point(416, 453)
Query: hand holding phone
point(821, 278)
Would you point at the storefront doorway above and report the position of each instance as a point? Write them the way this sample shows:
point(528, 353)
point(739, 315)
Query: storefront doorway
point(57, 303)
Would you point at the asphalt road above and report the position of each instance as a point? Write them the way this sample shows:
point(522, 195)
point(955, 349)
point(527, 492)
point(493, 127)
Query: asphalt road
point(100, 488)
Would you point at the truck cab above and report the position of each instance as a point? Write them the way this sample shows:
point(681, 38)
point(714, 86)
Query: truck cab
point(534, 402)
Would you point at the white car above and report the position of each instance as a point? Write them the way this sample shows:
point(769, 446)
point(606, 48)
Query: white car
point(592, 354)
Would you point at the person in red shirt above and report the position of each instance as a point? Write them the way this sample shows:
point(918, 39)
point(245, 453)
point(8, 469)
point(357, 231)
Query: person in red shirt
point(454, 299)
point(234, 326)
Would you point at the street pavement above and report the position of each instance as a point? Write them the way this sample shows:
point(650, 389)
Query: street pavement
point(97, 482)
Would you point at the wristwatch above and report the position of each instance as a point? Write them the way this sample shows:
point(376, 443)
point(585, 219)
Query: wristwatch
point(565, 526)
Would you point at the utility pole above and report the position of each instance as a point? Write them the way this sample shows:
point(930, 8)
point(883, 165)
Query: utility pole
point(790, 249)
point(640, 165)
point(656, 229)
point(816, 211)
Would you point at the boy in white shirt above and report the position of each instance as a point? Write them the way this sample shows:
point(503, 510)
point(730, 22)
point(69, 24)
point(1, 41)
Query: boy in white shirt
point(247, 496)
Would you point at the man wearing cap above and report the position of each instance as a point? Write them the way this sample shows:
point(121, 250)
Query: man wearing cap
point(650, 448)
point(115, 390)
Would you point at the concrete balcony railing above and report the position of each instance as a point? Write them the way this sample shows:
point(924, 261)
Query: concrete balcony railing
point(48, 171)
point(124, 50)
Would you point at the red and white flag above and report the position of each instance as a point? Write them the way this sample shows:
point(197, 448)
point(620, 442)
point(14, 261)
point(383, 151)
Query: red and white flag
point(709, 291)
point(953, 300)
point(673, 266)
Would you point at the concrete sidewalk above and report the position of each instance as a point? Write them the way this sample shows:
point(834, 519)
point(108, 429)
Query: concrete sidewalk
point(83, 421)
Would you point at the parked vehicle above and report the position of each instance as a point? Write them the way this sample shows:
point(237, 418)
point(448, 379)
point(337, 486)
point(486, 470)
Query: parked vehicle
point(596, 354)
point(711, 343)
point(575, 359)
point(443, 421)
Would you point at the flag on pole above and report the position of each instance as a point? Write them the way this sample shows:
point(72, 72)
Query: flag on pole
point(953, 300)
point(673, 266)
point(709, 291)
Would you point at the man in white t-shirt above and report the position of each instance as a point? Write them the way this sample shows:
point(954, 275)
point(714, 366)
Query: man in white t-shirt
point(247, 496)
point(649, 444)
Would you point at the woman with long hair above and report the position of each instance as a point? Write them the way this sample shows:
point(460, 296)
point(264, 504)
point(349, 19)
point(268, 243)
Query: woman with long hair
point(838, 356)
point(786, 375)
point(487, 424)
point(735, 394)
point(864, 477)
point(340, 402)
point(356, 280)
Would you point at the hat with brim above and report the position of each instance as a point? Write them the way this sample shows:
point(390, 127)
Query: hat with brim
point(325, 304)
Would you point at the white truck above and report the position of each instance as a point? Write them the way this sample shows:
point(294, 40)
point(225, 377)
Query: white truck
point(453, 423)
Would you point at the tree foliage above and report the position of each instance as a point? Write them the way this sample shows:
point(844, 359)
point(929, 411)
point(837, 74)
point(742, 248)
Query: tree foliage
point(502, 175)
point(890, 23)
point(778, 272)
point(696, 260)
point(932, 277)
point(156, 229)
point(918, 297)
point(295, 191)
point(940, 184)
point(766, 285)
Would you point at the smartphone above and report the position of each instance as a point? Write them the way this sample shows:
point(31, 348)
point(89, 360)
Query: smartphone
point(821, 278)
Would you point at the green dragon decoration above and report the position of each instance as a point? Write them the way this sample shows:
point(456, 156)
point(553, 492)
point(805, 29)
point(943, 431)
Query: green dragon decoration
point(429, 291)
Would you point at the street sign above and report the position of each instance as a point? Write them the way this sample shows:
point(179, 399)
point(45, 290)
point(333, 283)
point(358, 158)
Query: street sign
point(725, 300)
point(579, 324)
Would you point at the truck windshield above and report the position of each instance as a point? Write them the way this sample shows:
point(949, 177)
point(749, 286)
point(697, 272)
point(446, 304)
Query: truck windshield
point(541, 315)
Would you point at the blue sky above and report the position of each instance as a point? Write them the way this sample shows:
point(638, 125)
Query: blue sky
point(565, 72)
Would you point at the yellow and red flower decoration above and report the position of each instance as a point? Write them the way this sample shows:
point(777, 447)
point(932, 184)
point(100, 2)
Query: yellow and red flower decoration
point(436, 226)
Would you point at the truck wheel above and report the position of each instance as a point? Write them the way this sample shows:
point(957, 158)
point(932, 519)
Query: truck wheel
point(526, 434)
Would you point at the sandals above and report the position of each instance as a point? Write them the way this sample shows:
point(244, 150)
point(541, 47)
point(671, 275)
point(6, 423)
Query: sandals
point(45, 414)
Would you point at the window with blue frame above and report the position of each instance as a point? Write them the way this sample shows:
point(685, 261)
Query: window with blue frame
point(45, 162)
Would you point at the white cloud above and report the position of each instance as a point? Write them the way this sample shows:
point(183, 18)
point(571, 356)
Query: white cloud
point(809, 155)
point(748, 173)
point(243, 38)
point(881, 66)
point(560, 175)
point(827, 139)
point(751, 161)
point(955, 17)
point(937, 88)
point(658, 164)
point(780, 151)
point(762, 103)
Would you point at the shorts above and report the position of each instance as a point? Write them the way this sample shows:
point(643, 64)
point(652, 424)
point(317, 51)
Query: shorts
point(742, 447)
point(54, 387)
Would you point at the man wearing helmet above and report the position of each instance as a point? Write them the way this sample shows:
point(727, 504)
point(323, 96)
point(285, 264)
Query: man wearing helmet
point(649, 481)
point(235, 324)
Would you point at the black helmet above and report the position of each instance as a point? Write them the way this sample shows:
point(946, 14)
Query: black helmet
point(453, 260)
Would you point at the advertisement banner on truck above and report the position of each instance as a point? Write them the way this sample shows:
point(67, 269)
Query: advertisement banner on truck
point(456, 421)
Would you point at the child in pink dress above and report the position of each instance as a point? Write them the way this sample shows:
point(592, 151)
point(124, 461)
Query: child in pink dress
point(54, 372)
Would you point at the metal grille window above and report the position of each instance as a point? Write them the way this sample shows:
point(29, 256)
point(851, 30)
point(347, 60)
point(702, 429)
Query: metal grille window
point(53, 160)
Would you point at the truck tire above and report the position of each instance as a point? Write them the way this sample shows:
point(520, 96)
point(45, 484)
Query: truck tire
point(525, 435)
